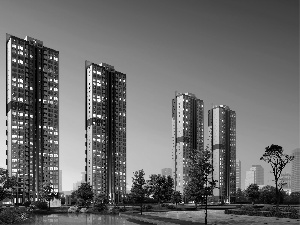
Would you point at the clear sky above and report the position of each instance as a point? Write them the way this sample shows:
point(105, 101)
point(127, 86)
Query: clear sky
point(244, 54)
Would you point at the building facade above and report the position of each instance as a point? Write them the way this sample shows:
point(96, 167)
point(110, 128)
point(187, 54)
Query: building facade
point(187, 134)
point(166, 172)
point(60, 181)
point(32, 107)
point(254, 176)
point(286, 179)
point(105, 130)
point(238, 171)
point(295, 183)
point(222, 141)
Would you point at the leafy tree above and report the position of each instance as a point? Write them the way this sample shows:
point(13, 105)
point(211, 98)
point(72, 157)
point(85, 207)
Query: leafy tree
point(252, 192)
point(74, 196)
point(139, 189)
point(128, 199)
point(118, 197)
point(100, 202)
point(200, 184)
point(240, 195)
point(267, 195)
point(7, 185)
point(277, 159)
point(293, 198)
point(84, 194)
point(161, 187)
point(47, 193)
point(176, 197)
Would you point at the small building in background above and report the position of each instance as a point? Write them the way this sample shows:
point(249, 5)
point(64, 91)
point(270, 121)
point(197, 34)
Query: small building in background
point(166, 172)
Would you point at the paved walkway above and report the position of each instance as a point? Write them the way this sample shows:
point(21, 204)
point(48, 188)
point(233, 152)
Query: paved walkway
point(214, 217)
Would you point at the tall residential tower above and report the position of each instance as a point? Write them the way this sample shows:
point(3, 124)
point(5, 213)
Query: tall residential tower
point(295, 183)
point(105, 130)
point(222, 141)
point(32, 108)
point(238, 171)
point(187, 134)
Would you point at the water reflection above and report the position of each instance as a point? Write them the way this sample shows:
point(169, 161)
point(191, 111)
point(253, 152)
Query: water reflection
point(72, 218)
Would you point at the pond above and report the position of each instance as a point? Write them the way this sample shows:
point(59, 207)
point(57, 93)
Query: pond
point(72, 218)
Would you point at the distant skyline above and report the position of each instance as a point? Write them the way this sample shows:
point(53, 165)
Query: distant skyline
point(244, 54)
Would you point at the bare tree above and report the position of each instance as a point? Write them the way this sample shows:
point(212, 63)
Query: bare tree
point(277, 159)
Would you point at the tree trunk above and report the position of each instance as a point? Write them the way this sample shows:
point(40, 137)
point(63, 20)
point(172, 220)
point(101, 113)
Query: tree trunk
point(205, 209)
point(141, 208)
point(277, 195)
point(49, 206)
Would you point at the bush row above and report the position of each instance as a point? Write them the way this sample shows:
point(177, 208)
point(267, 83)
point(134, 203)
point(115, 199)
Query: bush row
point(266, 211)
point(13, 215)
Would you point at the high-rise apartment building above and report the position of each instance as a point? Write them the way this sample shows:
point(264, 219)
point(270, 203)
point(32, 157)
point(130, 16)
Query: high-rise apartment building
point(60, 181)
point(238, 171)
point(187, 134)
point(32, 107)
point(295, 183)
point(254, 176)
point(166, 172)
point(222, 141)
point(105, 130)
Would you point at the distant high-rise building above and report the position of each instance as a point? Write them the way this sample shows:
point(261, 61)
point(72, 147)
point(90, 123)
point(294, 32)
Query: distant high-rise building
point(76, 185)
point(238, 175)
point(295, 183)
point(222, 141)
point(32, 107)
point(105, 130)
point(166, 172)
point(82, 177)
point(187, 134)
point(254, 176)
point(250, 178)
point(286, 178)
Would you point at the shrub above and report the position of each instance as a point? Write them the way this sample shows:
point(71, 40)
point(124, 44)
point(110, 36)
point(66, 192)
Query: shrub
point(41, 205)
point(100, 207)
point(13, 215)
point(164, 205)
point(115, 210)
point(171, 207)
point(268, 208)
point(100, 202)
point(294, 214)
point(122, 209)
point(27, 203)
point(289, 209)
point(247, 208)
point(267, 211)
point(147, 207)
point(136, 208)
